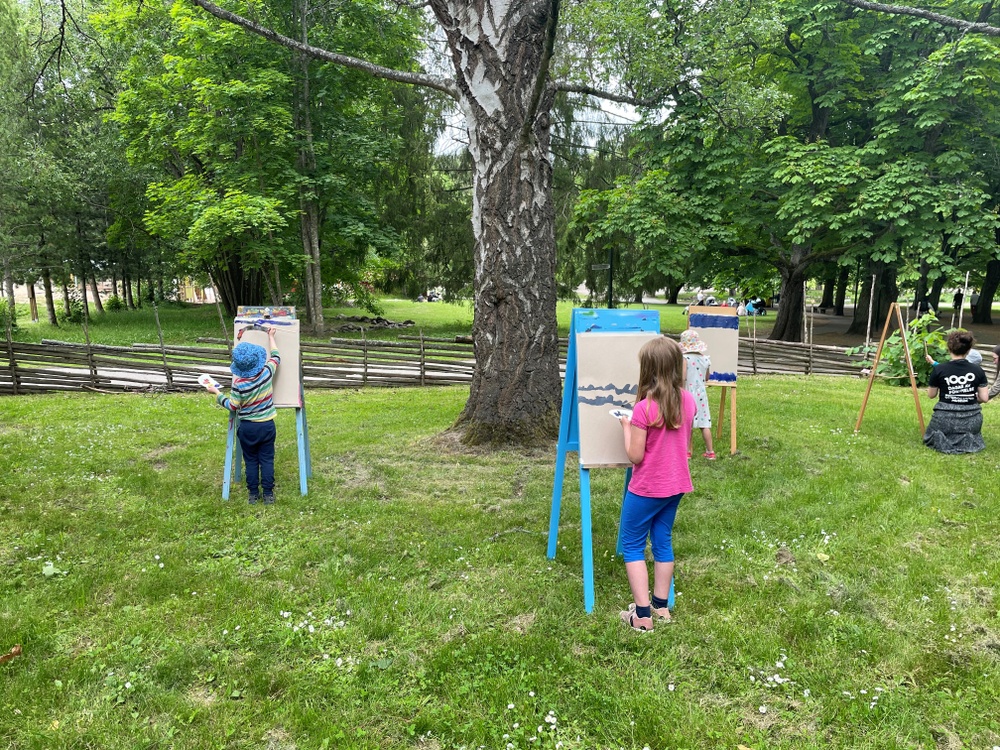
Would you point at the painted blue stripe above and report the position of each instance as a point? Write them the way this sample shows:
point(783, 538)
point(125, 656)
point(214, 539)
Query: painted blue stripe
point(722, 377)
point(704, 320)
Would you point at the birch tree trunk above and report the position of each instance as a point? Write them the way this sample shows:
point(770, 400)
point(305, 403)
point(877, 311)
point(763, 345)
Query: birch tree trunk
point(497, 51)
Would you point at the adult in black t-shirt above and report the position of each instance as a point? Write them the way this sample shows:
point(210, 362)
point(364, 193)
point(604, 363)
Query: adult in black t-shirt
point(957, 424)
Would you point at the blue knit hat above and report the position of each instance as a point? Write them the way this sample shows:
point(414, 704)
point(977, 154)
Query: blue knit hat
point(248, 360)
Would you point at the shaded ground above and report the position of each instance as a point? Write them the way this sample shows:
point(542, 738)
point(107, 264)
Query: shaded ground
point(832, 330)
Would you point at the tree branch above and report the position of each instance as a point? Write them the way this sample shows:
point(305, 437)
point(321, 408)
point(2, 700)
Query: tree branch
point(651, 101)
point(445, 85)
point(902, 10)
point(543, 70)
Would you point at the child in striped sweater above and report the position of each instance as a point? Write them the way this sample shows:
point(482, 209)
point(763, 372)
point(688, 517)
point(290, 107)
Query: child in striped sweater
point(252, 398)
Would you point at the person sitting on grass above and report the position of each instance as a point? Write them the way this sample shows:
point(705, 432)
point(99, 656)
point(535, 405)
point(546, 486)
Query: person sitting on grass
point(252, 398)
point(656, 441)
point(957, 423)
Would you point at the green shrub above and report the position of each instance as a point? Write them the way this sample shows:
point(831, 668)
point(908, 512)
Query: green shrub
point(114, 304)
point(7, 317)
point(923, 336)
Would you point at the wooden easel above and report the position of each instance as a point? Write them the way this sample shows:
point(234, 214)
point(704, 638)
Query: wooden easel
point(732, 416)
point(893, 308)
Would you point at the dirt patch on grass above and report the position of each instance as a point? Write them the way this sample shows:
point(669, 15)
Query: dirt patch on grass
point(155, 457)
point(451, 442)
point(199, 695)
point(522, 623)
point(278, 739)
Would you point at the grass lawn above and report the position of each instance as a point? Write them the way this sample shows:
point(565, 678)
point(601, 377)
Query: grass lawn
point(184, 323)
point(834, 590)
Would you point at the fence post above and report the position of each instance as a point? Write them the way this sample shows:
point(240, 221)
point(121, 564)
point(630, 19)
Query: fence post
point(12, 361)
point(422, 364)
point(364, 343)
point(163, 351)
point(90, 352)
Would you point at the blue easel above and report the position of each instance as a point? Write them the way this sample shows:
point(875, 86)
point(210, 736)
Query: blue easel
point(589, 321)
point(234, 453)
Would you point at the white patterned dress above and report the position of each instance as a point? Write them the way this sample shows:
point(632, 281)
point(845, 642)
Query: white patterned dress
point(698, 366)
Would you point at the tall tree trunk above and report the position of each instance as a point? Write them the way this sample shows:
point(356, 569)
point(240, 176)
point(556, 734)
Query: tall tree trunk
point(788, 326)
point(138, 290)
point(841, 296)
point(127, 290)
point(8, 289)
point(984, 308)
point(673, 292)
point(309, 212)
point(515, 391)
point(114, 284)
point(50, 303)
point(65, 290)
point(886, 292)
point(829, 287)
point(32, 302)
point(98, 305)
point(922, 285)
point(82, 288)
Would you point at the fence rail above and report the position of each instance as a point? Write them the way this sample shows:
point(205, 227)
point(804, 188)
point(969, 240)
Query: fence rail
point(54, 366)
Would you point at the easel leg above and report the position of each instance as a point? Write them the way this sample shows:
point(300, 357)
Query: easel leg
point(732, 420)
point(238, 449)
point(556, 502)
point(586, 534)
point(300, 437)
point(722, 415)
point(227, 472)
point(619, 546)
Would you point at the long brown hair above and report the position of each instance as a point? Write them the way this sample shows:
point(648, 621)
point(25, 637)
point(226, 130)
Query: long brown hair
point(661, 378)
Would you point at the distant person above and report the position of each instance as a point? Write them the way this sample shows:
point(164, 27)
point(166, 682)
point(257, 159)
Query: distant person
point(699, 297)
point(698, 366)
point(957, 423)
point(657, 438)
point(974, 301)
point(923, 306)
point(956, 301)
point(252, 399)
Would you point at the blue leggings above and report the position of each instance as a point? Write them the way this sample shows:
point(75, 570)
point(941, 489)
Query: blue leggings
point(652, 518)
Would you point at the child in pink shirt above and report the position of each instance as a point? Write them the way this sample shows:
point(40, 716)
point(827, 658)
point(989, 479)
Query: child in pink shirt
point(657, 441)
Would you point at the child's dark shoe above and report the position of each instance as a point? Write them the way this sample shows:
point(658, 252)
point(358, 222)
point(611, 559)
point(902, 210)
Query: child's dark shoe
point(268, 498)
point(639, 624)
point(253, 497)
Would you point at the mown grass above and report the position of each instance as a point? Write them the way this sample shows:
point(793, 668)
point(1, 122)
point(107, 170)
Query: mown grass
point(834, 590)
point(183, 324)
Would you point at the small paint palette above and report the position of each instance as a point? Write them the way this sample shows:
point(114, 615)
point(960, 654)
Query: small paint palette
point(619, 413)
point(208, 381)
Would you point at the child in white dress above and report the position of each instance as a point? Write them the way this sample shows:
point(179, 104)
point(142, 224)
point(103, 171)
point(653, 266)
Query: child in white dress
point(698, 365)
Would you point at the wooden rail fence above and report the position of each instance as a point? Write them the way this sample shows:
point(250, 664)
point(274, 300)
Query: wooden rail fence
point(339, 363)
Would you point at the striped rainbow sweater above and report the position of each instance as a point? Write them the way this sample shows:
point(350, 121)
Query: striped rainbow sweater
point(253, 398)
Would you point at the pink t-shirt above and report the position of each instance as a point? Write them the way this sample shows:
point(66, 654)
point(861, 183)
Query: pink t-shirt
point(663, 471)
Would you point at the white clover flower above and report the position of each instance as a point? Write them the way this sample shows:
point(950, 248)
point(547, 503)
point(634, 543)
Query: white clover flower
point(225, 632)
point(670, 687)
point(531, 693)
point(763, 709)
point(161, 565)
point(806, 692)
point(510, 705)
point(128, 685)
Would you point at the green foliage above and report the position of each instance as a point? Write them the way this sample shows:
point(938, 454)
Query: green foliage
point(924, 336)
point(114, 304)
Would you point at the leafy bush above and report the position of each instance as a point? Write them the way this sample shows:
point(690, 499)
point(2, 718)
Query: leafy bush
point(114, 304)
point(75, 314)
point(923, 336)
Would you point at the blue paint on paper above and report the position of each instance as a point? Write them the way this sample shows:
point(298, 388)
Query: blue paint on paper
point(704, 320)
point(722, 377)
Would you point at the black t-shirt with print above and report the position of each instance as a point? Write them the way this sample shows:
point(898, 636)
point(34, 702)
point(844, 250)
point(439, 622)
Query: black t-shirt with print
point(957, 381)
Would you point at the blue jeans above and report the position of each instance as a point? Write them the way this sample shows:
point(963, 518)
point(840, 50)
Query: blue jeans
point(257, 442)
point(652, 518)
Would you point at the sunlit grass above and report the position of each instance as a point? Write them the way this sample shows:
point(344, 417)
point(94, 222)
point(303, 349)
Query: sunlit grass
point(834, 590)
